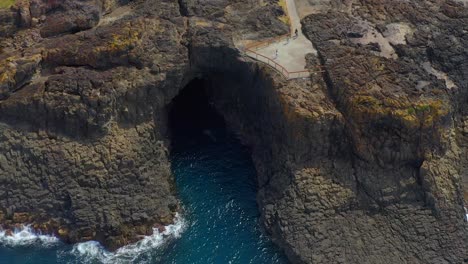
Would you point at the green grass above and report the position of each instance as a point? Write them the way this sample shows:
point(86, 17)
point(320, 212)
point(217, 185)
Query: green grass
point(6, 3)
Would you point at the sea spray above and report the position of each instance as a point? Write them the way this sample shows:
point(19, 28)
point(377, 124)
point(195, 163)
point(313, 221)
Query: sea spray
point(92, 251)
point(26, 236)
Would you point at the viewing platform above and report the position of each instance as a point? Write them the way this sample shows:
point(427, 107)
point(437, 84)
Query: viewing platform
point(286, 53)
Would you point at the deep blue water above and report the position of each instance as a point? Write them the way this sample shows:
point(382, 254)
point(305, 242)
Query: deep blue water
point(215, 180)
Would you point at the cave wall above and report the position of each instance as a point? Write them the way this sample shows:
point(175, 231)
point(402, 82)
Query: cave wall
point(319, 199)
point(342, 177)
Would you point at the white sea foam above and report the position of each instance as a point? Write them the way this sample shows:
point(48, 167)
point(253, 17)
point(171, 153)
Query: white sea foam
point(92, 251)
point(26, 236)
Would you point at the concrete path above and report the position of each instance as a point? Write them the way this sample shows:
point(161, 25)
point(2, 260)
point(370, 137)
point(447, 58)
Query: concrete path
point(291, 53)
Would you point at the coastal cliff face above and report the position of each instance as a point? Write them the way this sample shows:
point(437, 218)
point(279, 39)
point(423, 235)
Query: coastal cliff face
point(85, 87)
point(363, 163)
point(390, 191)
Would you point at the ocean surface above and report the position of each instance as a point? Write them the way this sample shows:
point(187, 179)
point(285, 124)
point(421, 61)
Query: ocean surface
point(219, 223)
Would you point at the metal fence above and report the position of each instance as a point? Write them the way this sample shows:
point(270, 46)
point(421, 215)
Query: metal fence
point(250, 50)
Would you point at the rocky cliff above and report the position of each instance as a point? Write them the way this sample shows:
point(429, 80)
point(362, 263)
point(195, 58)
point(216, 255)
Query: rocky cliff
point(360, 164)
point(84, 90)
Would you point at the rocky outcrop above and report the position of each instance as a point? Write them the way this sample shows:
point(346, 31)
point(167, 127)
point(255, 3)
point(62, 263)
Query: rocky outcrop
point(83, 93)
point(364, 163)
point(360, 164)
point(82, 155)
point(399, 180)
point(323, 203)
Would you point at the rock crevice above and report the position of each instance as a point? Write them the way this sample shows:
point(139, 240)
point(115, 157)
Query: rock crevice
point(362, 164)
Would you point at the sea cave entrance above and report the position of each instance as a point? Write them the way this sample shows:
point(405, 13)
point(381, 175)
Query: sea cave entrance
point(216, 182)
point(192, 116)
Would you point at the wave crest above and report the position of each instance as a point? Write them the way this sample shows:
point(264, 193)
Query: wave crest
point(26, 236)
point(92, 251)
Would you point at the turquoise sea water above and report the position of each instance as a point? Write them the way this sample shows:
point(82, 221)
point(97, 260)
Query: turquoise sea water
point(215, 180)
point(218, 189)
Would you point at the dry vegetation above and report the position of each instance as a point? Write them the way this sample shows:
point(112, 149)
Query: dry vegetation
point(284, 18)
point(6, 3)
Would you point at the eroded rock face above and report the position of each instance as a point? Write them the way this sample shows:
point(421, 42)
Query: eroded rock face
point(397, 180)
point(364, 164)
point(360, 164)
point(84, 87)
point(322, 202)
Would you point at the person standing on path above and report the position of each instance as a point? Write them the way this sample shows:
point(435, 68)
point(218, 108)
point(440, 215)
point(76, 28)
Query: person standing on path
point(296, 34)
point(276, 54)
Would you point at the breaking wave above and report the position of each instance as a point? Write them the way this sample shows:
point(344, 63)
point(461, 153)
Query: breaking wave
point(26, 236)
point(92, 251)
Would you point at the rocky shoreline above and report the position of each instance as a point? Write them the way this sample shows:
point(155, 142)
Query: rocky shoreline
point(363, 164)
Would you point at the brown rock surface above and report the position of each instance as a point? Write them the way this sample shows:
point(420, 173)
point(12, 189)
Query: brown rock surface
point(362, 164)
point(395, 190)
point(83, 96)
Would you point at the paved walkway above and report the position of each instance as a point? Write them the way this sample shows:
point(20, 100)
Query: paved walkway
point(291, 53)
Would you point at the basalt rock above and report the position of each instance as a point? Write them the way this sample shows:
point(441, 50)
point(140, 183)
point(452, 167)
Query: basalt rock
point(83, 97)
point(360, 164)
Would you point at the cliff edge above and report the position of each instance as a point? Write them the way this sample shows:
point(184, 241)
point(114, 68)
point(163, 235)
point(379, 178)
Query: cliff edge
point(362, 163)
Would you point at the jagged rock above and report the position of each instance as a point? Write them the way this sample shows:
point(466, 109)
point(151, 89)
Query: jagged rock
point(361, 164)
point(71, 17)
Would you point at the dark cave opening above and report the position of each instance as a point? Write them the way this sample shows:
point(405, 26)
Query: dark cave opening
point(216, 182)
point(192, 115)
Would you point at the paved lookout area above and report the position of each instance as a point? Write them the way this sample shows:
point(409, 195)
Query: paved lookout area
point(290, 53)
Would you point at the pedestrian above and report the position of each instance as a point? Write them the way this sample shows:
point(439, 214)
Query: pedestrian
point(296, 33)
point(276, 54)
